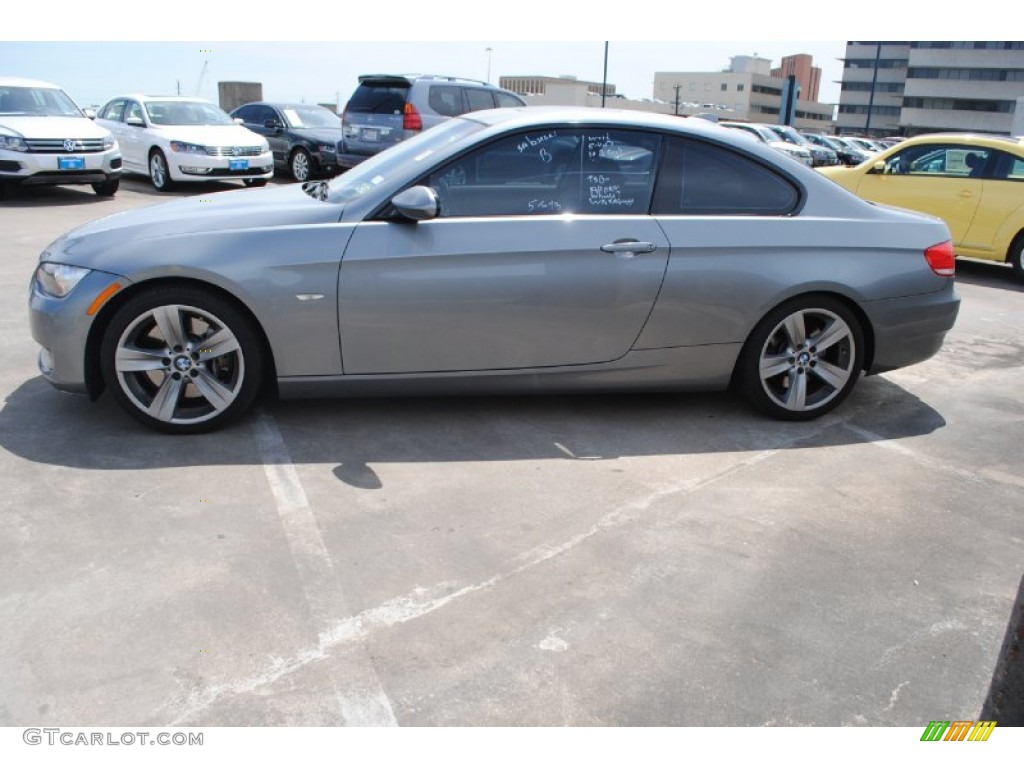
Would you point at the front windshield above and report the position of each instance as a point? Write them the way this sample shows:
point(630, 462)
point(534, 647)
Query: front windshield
point(48, 102)
point(186, 113)
point(831, 143)
point(311, 117)
point(405, 160)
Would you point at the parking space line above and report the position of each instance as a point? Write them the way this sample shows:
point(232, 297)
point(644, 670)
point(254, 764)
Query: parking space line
point(361, 696)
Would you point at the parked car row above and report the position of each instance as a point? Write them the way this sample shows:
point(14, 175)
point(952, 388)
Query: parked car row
point(177, 139)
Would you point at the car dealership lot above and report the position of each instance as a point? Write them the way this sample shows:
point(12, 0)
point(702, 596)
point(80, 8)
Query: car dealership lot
point(630, 560)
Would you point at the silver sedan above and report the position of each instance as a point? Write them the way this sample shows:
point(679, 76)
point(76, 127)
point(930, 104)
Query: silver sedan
point(539, 250)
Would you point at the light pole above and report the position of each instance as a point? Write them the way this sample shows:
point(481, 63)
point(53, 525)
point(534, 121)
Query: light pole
point(488, 63)
point(677, 86)
point(604, 81)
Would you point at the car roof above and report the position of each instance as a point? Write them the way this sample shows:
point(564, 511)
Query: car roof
point(280, 105)
point(24, 82)
point(155, 97)
point(409, 79)
point(974, 139)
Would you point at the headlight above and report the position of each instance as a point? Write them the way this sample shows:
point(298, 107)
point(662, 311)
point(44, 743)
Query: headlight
point(15, 143)
point(264, 147)
point(58, 280)
point(331, 148)
point(109, 142)
point(188, 149)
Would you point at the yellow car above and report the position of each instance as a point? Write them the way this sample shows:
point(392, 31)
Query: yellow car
point(975, 183)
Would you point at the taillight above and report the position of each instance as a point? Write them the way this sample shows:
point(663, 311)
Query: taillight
point(942, 259)
point(411, 120)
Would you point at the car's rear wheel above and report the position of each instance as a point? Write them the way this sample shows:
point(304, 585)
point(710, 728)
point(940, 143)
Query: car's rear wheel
point(106, 188)
point(182, 359)
point(802, 359)
point(301, 165)
point(159, 175)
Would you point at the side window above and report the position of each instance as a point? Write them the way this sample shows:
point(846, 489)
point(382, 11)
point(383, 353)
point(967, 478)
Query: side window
point(705, 179)
point(600, 171)
point(446, 100)
point(266, 113)
point(1008, 167)
point(478, 98)
point(113, 111)
point(246, 114)
point(134, 109)
point(939, 160)
point(508, 100)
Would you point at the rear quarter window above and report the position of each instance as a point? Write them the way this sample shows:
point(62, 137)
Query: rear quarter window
point(704, 179)
point(446, 100)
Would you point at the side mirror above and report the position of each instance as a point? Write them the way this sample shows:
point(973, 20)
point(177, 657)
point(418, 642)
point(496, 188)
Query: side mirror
point(878, 167)
point(239, 121)
point(136, 121)
point(272, 125)
point(417, 203)
point(90, 113)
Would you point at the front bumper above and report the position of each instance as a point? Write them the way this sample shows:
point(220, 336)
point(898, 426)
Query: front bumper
point(196, 167)
point(61, 327)
point(910, 329)
point(31, 168)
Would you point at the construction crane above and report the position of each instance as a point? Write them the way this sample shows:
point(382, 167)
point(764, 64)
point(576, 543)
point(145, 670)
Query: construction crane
point(202, 77)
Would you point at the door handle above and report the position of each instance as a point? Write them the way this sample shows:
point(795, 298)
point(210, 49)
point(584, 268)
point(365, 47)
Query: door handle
point(628, 248)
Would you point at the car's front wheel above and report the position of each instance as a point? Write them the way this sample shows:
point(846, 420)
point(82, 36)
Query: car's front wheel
point(106, 188)
point(182, 359)
point(802, 359)
point(301, 165)
point(159, 175)
point(1016, 256)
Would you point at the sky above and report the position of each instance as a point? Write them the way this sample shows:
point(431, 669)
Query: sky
point(93, 72)
point(315, 50)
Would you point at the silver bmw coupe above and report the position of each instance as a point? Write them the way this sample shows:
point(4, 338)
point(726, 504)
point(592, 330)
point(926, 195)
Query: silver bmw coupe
point(513, 250)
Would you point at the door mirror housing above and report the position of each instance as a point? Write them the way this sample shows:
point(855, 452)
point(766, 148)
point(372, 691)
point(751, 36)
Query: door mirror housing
point(417, 203)
point(136, 121)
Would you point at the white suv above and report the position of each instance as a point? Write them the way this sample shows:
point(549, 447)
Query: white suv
point(45, 138)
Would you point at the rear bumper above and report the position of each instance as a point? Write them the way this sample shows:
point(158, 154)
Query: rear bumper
point(910, 329)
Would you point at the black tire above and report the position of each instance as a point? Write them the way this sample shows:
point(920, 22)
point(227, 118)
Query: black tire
point(255, 182)
point(300, 165)
point(795, 379)
point(1016, 256)
point(182, 359)
point(159, 174)
point(106, 188)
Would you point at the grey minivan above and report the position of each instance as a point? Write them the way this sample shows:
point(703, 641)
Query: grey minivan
point(387, 109)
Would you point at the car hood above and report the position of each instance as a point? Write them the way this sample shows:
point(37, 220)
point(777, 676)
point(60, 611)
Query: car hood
point(210, 135)
point(51, 127)
point(96, 245)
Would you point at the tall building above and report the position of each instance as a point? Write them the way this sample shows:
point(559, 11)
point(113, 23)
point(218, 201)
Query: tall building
point(745, 91)
point(923, 87)
point(801, 66)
